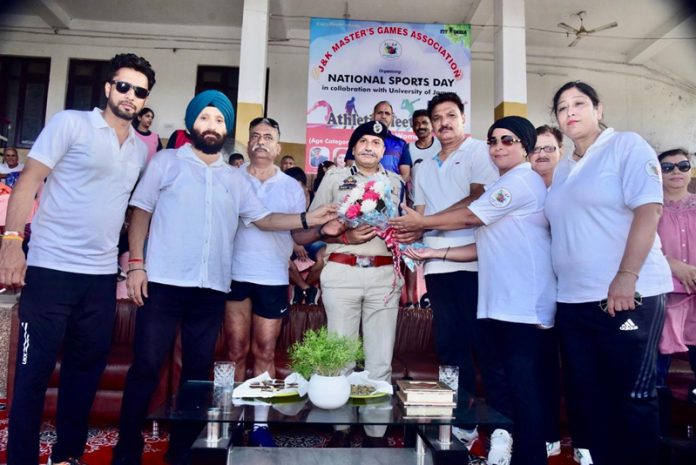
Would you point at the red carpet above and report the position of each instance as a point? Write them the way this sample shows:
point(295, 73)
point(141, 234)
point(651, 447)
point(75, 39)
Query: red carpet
point(100, 442)
point(102, 439)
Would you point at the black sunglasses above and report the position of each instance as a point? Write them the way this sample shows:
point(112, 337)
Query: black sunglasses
point(123, 87)
point(269, 121)
point(546, 148)
point(505, 140)
point(682, 166)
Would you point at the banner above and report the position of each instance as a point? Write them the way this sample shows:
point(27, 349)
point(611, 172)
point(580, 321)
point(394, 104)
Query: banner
point(353, 65)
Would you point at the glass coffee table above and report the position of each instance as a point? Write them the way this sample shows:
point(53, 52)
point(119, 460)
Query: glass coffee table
point(427, 439)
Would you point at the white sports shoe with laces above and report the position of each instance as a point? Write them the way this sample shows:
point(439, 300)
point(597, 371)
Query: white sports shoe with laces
point(582, 456)
point(553, 448)
point(500, 452)
point(466, 436)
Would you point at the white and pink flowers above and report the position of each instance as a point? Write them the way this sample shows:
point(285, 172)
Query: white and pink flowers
point(368, 203)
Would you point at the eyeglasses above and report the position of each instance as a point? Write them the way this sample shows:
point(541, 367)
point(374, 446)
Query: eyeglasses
point(123, 87)
point(505, 140)
point(546, 148)
point(637, 299)
point(682, 166)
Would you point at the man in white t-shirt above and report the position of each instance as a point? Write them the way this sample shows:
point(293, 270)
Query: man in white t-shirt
point(91, 161)
point(10, 162)
point(426, 146)
point(191, 202)
point(455, 175)
point(258, 298)
point(11, 168)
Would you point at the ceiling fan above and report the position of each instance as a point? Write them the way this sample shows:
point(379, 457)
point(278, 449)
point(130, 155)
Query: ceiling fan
point(581, 31)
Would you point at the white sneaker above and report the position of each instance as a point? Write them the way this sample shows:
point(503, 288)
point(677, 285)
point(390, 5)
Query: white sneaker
point(500, 452)
point(466, 436)
point(553, 448)
point(582, 456)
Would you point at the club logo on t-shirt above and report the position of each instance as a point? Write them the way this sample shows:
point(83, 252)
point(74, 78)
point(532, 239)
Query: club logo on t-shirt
point(653, 169)
point(500, 198)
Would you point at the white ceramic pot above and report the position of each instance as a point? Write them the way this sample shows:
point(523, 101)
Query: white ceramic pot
point(329, 392)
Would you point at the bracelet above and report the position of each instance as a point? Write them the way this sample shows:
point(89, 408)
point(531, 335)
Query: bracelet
point(136, 260)
point(623, 270)
point(445, 255)
point(303, 219)
point(344, 239)
point(14, 233)
point(136, 269)
point(13, 238)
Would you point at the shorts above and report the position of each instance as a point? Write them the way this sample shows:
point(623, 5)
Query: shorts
point(267, 301)
point(313, 248)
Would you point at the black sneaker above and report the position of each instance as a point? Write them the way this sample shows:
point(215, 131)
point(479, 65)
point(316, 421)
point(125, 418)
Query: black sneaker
point(297, 295)
point(425, 301)
point(311, 295)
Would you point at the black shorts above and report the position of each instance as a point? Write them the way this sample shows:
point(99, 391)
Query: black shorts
point(267, 301)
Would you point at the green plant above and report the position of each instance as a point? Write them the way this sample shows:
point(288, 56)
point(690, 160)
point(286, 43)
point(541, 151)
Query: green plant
point(324, 353)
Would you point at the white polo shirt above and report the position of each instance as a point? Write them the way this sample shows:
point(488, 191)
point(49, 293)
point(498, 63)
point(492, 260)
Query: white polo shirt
point(590, 208)
point(196, 209)
point(261, 257)
point(441, 184)
point(83, 203)
point(516, 280)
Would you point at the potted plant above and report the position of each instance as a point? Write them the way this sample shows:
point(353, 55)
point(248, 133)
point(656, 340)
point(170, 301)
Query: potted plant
point(322, 357)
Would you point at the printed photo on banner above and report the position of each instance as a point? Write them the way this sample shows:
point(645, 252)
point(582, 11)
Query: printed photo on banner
point(353, 65)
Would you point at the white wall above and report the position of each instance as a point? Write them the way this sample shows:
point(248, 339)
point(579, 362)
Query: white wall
point(634, 98)
point(661, 112)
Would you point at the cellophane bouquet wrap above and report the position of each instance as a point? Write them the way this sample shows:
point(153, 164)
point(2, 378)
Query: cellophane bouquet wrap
point(368, 203)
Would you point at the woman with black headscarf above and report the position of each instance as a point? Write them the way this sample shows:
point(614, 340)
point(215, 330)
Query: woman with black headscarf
point(517, 287)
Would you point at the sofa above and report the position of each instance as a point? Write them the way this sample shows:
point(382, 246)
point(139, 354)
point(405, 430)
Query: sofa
point(414, 356)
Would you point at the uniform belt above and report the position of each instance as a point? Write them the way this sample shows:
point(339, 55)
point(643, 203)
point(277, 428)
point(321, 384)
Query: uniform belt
point(362, 261)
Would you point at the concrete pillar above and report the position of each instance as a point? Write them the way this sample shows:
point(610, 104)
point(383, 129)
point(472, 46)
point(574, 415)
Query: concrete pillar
point(510, 59)
point(252, 66)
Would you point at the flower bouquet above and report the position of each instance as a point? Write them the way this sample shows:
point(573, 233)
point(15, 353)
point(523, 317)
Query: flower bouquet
point(368, 203)
point(371, 203)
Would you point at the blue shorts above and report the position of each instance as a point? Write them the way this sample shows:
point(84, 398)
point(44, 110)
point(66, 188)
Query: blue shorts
point(313, 248)
point(267, 301)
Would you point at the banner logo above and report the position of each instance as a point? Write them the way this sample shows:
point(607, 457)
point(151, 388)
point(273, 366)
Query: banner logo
point(390, 49)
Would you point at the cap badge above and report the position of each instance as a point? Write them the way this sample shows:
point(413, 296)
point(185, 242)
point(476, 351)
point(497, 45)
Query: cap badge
point(377, 127)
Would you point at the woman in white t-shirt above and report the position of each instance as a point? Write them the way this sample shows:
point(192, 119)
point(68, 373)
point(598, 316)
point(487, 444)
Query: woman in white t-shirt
point(517, 287)
point(603, 207)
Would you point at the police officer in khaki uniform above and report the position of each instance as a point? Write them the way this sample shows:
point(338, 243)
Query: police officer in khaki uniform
point(359, 271)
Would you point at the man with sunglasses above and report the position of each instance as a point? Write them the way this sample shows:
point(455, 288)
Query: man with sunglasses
point(91, 161)
point(454, 176)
